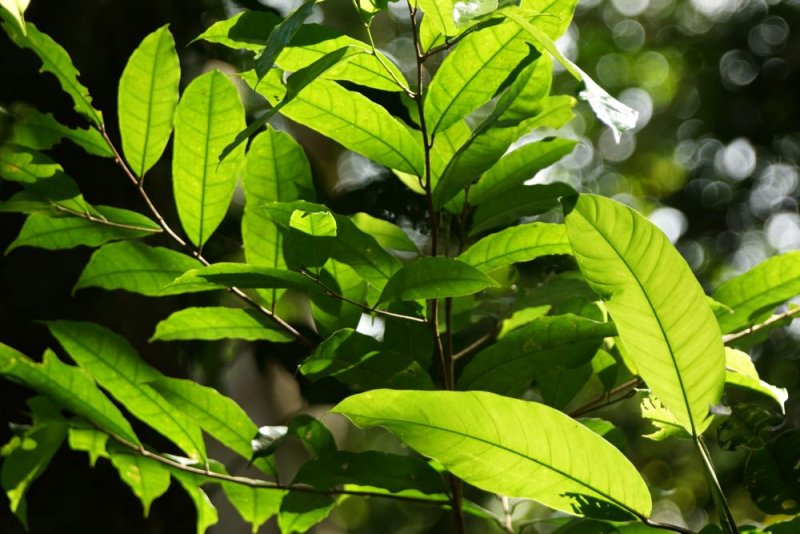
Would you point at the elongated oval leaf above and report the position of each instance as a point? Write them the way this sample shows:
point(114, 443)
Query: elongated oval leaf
point(209, 116)
point(116, 366)
point(41, 131)
point(508, 446)
point(431, 278)
point(524, 242)
point(243, 276)
point(70, 386)
point(740, 371)
point(137, 268)
point(218, 322)
point(387, 234)
point(522, 201)
point(148, 94)
point(759, 290)
point(280, 36)
point(206, 513)
point(147, 478)
point(255, 505)
point(661, 313)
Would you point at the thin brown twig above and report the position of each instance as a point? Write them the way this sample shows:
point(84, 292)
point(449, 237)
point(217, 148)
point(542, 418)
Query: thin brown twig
point(755, 328)
point(474, 345)
point(605, 398)
point(105, 222)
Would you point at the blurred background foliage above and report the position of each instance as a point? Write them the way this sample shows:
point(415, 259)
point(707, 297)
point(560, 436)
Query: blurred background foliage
point(714, 161)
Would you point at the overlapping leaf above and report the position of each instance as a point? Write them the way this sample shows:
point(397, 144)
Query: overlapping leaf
point(430, 278)
point(524, 242)
point(218, 322)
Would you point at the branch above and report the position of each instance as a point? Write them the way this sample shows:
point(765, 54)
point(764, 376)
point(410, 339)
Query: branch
point(766, 324)
point(507, 519)
point(604, 399)
point(474, 345)
point(105, 222)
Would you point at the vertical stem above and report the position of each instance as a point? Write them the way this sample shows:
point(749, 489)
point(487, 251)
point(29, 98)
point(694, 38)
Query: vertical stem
point(507, 518)
point(726, 519)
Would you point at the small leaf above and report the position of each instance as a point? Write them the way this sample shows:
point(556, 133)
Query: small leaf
point(147, 97)
point(41, 131)
point(206, 513)
point(522, 201)
point(481, 438)
point(255, 505)
point(266, 441)
point(89, 440)
point(147, 478)
point(218, 322)
point(317, 223)
point(521, 243)
point(430, 278)
point(301, 511)
point(315, 437)
point(387, 234)
point(740, 371)
point(208, 117)
point(666, 424)
point(280, 36)
point(137, 268)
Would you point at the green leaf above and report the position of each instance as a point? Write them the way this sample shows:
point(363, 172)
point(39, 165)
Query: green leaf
point(218, 322)
point(518, 166)
point(521, 318)
point(56, 61)
point(71, 387)
point(255, 505)
point(55, 232)
point(206, 513)
point(412, 339)
point(17, 10)
point(148, 95)
point(316, 223)
point(758, 291)
point(117, 367)
point(147, 478)
point(740, 371)
point(385, 233)
point(524, 242)
point(482, 439)
point(438, 14)
point(331, 313)
point(748, 426)
point(41, 131)
point(209, 116)
point(137, 268)
point(280, 36)
point(351, 119)
point(216, 414)
point(509, 366)
point(315, 437)
point(301, 511)
point(224, 275)
point(89, 440)
point(660, 311)
point(559, 385)
point(431, 278)
point(247, 30)
point(522, 201)
point(771, 475)
point(662, 419)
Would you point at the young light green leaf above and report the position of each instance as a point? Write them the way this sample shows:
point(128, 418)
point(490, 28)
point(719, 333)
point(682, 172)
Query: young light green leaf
point(218, 322)
point(509, 366)
point(666, 426)
point(71, 387)
point(385, 233)
point(63, 231)
point(438, 15)
point(481, 438)
point(524, 242)
point(740, 371)
point(206, 513)
point(430, 278)
point(147, 478)
point(350, 119)
point(518, 166)
point(255, 505)
point(241, 275)
point(316, 223)
point(116, 366)
point(16, 8)
point(89, 440)
point(147, 97)
point(522, 201)
point(56, 61)
point(216, 414)
point(209, 116)
point(280, 36)
point(661, 313)
point(41, 131)
point(759, 291)
point(137, 268)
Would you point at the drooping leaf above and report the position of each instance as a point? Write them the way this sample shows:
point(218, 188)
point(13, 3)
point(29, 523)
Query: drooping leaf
point(481, 438)
point(16, 8)
point(218, 322)
point(666, 426)
point(224, 275)
point(430, 278)
point(41, 131)
point(316, 223)
point(147, 97)
point(216, 414)
point(69, 386)
point(518, 166)
point(147, 478)
point(208, 117)
point(137, 268)
point(660, 311)
point(510, 365)
point(350, 119)
point(387, 234)
point(522, 201)
point(56, 61)
point(255, 505)
point(740, 371)
point(89, 440)
point(116, 366)
point(206, 513)
point(63, 231)
point(759, 291)
point(280, 36)
point(524, 242)
point(301, 511)
point(772, 475)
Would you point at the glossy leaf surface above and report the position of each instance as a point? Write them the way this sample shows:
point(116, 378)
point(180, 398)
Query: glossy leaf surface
point(520, 243)
point(430, 278)
point(218, 322)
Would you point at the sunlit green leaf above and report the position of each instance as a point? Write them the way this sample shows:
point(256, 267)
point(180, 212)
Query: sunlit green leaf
point(255, 505)
point(666, 426)
point(483, 439)
point(147, 478)
point(241, 275)
point(740, 371)
point(430, 278)
point(524, 242)
point(660, 311)
point(208, 117)
point(387, 234)
point(522, 201)
point(117, 367)
point(89, 440)
point(206, 513)
point(137, 268)
point(759, 290)
point(280, 36)
point(218, 322)
point(41, 131)
point(148, 95)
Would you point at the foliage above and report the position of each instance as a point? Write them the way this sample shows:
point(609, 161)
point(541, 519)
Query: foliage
point(491, 334)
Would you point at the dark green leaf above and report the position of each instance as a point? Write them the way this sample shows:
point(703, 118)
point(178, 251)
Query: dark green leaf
point(219, 322)
point(385, 233)
point(772, 475)
point(522, 201)
point(301, 511)
point(430, 278)
point(521, 243)
point(41, 131)
point(224, 275)
point(280, 36)
point(748, 426)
